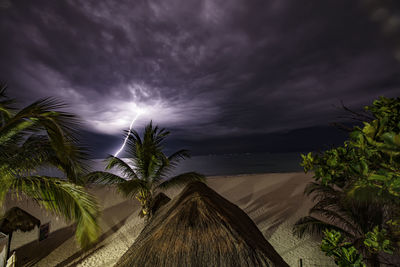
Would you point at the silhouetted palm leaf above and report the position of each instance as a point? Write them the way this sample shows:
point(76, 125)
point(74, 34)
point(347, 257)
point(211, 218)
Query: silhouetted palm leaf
point(314, 226)
point(40, 135)
point(150, 169)
point(104, 178)
point(5, 105)
point(181, 179)
point(64, 199)
point(333, 210)
point(169, 163)
point(132, 187)
point(117, 163)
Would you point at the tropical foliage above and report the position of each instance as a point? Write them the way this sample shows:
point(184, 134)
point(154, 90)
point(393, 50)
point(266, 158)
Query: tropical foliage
point(336, 212)
point(342, 252)
point(147, 169)
point(38, 136)
point(364, 172)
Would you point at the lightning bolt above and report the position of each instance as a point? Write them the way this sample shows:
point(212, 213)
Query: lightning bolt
point(127, 136)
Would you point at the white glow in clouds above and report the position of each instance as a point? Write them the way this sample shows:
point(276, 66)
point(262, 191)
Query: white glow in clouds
point(139, 112)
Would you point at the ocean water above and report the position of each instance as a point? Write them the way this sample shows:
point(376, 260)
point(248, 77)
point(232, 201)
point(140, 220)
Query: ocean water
point(232, 164)
point(242, 163)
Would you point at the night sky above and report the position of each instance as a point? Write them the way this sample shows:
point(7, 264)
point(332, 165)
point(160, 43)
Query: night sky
point(223, 76)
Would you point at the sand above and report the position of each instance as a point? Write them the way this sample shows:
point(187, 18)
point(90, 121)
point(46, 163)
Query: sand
point(274, 202)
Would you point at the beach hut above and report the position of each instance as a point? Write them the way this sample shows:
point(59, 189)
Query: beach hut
point(201, 228)
point(159, 200)
point(17, 219)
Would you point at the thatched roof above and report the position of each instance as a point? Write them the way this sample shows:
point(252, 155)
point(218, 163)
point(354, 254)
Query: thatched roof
point(159, 200)
point(18, 219)
point(200, 228)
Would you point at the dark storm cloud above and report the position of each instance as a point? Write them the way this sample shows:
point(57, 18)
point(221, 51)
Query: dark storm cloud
point(203, 68)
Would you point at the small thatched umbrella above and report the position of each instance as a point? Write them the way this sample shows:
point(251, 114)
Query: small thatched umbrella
point(159, 200)
point(17, 219)
point(201, 228)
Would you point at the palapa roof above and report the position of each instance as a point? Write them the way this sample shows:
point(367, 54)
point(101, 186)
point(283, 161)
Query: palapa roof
point(17, 219)
point(200, 228)
point(159, 200)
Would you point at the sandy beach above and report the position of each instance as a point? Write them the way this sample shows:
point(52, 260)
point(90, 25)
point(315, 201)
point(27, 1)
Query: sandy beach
point(273, 201)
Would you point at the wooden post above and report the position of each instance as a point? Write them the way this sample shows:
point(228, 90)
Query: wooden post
point(9, 245)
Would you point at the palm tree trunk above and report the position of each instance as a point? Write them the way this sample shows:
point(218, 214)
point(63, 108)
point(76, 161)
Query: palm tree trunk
point(9, 245)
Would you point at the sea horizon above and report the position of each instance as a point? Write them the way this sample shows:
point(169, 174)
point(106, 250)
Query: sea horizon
point(233, 163)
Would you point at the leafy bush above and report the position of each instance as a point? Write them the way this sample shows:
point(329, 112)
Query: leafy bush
point(377, 241)
point(366, 168)
point(342, 252)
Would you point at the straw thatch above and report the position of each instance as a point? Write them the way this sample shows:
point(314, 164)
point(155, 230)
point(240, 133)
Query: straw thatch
point(159, 200)
point(18, 219)
point(200, 228)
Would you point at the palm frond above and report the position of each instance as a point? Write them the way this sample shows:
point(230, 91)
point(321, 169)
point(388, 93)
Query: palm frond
point(5, 184)
point(182, 179)
point(42, 135)
point(61, 129)
point(29, 118)
point(5, 105)
point(320, 191)
point(151, 170)
point(164, 168)
point(115, 162)
point(160, 135)
point(168, 164)
point(47, 114)
point(74, 164)
point(313, 226)
point(13, 129)
point(3, 88)
point(132, 187)
point(103, 178)
point(177, 156)
point(135, 137)
point(146, 154)
point(334, 209)
point(65, 199)
point(25, 158)
point(336, 217)
point(329, 203)
point(366, 215)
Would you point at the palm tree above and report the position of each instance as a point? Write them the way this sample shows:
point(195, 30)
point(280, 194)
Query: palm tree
point(39, 136)
point(147, 168)
point(335, 211)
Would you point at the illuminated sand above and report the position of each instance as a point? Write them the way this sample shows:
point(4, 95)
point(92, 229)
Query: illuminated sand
point(273, 201)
